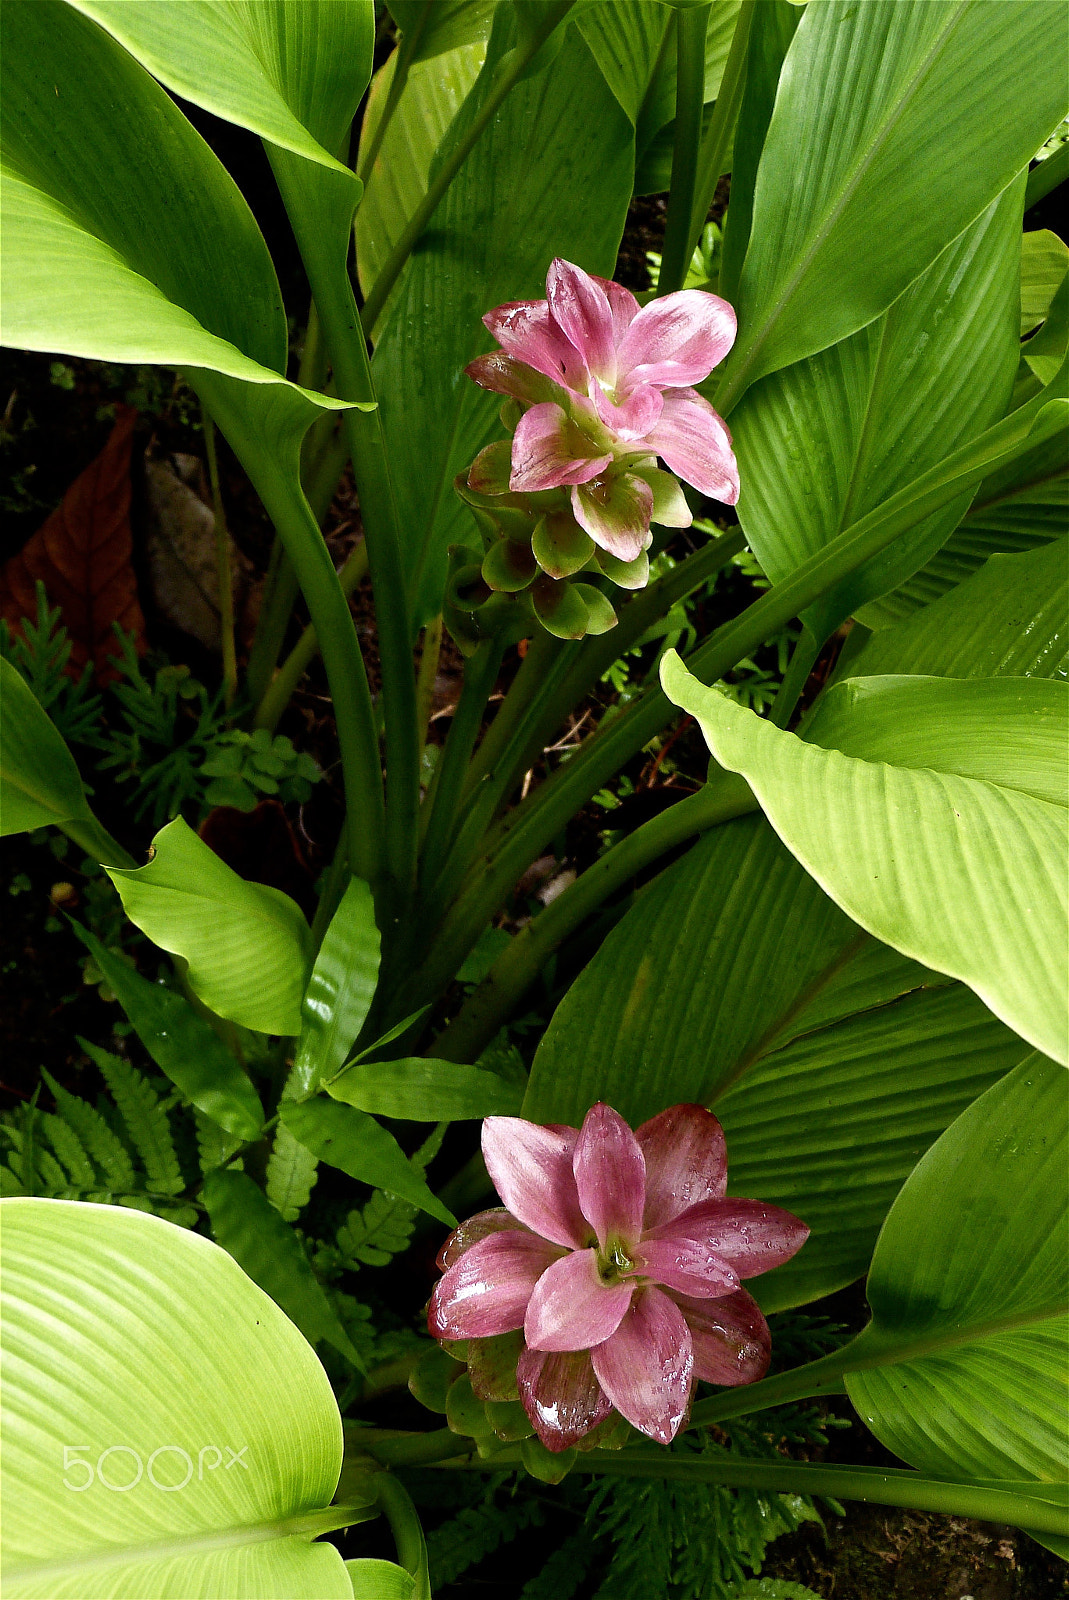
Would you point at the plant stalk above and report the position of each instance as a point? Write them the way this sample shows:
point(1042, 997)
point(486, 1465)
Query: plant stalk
point(480, 675)
point(293, 669)
point(803, 659)
point(509, 71)
point(691, 28)
point(354, 713)
point(92, 837)
point(429, 658)
point(222, 563)
point(517, 969)
point(713, 157)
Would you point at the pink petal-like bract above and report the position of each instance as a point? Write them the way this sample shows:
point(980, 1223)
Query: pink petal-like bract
point(677, 341)
point(504, 374)
point(572, 1308)
point(531, 1169)
point(686, 1265)
point(487, 1291)
point(634, 417)
point(615, 511)
point(686, 1161)
point(732, 1344)
point(750, 1236)
point(580, 307)
point(694, 442)
point(480, 1226)
point(610, 1176)
point(549, 451)
point(622, 304)
point(526, 329)
point(561, 1395)
point(647, 1366)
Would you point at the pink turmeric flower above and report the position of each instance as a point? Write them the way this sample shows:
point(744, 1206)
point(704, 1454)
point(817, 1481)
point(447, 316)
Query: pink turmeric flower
point(620, 1258)
point(606, 387)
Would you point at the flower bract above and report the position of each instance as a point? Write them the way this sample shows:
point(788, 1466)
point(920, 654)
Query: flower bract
point(620, 1257)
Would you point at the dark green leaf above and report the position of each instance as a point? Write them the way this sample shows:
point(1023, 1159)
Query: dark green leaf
point(426, 1090)
point(360, 1146)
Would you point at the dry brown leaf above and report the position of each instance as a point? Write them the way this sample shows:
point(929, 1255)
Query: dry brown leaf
point(82, 555)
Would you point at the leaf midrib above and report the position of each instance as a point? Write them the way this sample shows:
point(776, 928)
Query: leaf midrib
point(308, 1524)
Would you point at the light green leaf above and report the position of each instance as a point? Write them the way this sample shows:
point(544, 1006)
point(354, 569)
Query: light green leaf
point(822, 442)
point(39, 779)
point(247, 1225)
point(426, 1091)
point(1010, 619)
point(443, 25)
point(357, 1144)
point(182, 1044)
point(843, 214)
point(1045, 351)
point(963, 873)
point(832, 1061)
point(158, 254)
point(339, 992)
point(522, 196)
point(293, 74)
point(291, 1174)
point(111, 1344)
point(247, 945)
point(633, 43)
point(379, 1580)
point(398, 181)
point(1044, 263)
point(963, 1367)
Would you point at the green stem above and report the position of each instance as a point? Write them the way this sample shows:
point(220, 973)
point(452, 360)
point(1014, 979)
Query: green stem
point(692, 26)
point(543, 651)
point(323, 251)
point(285, 504)
point(402, 64)
point(713, 158)
point(509, 71)
point(480, 675)
point(281, 588)
point(396, 1506)
point(1047, 176)
point(222, 562)
point(803, 659)
point(518, 967)
point(92, 837)
point(429, 658)
point(293, 669)
point(334, 886)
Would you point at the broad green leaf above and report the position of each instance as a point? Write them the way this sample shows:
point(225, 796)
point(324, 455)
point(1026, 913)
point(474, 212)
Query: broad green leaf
point(963, 1367)
point(39, 779)
point(441, 25)
point(339, 992)
point(182, 1044)
point(828, 439)
point(1010, 619)
point(1010, 732)
point(1045, 351)
point(771, 32)
point(963, 873)
point(426, 1091)
point(843, 214)
point(109, 192)
point(247, 945)
point(293, 74)
point(1019, 507)
point(360, 1146)
point(522, 197)
point(633, 43)
point(249, 1228)
point(379, 1580)
point(432, 96)
point(832, 1061)
point(1044, 263)
point(128, 1341)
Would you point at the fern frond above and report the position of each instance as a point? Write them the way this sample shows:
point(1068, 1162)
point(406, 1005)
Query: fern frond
point(291, 1174)
point(144, 1117)
point(105, 1147)
point(382, 1229)
point(214, 1145)
point(68, 1150)
point(477, 1532)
